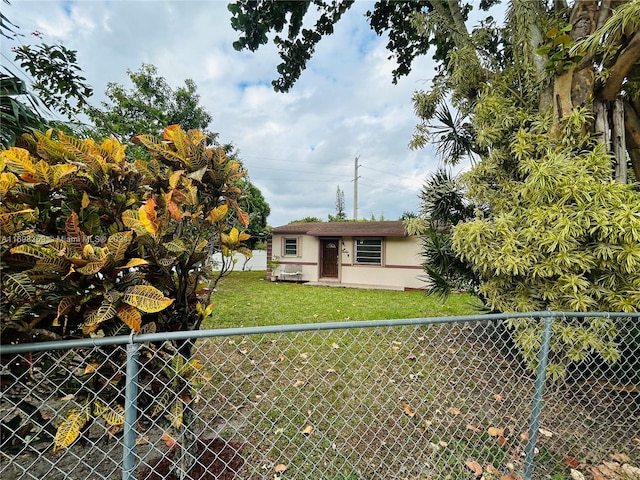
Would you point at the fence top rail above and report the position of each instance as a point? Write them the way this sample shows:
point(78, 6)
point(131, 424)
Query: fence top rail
point(240, 331)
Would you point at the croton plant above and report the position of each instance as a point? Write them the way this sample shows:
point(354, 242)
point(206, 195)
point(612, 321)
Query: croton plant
point(94, 243)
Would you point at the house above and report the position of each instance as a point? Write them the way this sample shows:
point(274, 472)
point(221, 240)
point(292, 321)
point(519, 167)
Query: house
point(365, 254)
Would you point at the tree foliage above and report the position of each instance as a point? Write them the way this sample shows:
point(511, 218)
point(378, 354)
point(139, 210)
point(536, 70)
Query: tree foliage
point(148, 106)
point(563, 237)
point(259, 210)
point(443, 206)
point(18, 109)
point(58, 86)
point(58, 80)
point(307, 220)
point(341, 215)
point(555, 231)
point(256, 20)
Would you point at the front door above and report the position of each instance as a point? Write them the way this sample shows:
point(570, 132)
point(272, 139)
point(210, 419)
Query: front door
point(329, 258)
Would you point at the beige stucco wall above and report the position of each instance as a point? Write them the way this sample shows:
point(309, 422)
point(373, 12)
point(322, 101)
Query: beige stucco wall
point(400, 269)
point(307, 258)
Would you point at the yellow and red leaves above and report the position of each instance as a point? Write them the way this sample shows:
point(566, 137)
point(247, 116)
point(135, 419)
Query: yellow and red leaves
point(7, 181)
point(149, 217)
point(171, 131)
point(63, 307)
point(69, 429)
point(118, 243)
point(174, 211)
point(243, 217)
point(146, 298)
point(130, 316)
point(76, 238)
point(144, 220)
point(106, 311)
point(218, 213)
point(114, 149)
point(18, 161)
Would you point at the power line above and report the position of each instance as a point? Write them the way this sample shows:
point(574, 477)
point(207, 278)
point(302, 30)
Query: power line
point(341, 164)
point(292, 171)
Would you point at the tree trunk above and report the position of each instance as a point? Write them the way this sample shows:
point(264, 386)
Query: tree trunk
point(618, 143)
point(574, 87)
point(632, 135)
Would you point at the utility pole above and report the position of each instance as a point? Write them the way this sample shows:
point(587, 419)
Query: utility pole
point(355, 188)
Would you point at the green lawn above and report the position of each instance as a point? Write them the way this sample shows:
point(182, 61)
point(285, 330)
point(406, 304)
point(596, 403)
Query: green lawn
point(415, 402)
point(246, 299)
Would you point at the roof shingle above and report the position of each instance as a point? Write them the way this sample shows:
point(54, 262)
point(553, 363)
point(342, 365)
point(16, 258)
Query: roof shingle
point(345, 229)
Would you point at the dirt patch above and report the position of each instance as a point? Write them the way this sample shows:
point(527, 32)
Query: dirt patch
point(217, 460)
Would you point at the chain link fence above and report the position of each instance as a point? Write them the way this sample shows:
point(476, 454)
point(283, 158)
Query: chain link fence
point(443, 398)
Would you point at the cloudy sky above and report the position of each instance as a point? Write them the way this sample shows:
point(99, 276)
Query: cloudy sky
point(299, 146)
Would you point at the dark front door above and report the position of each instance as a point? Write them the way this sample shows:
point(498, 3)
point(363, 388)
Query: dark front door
point(329, 258)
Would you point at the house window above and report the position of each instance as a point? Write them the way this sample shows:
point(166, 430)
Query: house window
point(369, 251)
point(290, 247)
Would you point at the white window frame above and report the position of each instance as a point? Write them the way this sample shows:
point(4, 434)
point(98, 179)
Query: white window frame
point(356, 241)
point(284, 246)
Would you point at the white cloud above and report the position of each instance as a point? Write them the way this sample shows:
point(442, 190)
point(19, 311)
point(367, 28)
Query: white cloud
point(297, 146)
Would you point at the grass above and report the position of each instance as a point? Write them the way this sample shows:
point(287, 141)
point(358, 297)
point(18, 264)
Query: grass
point(412, 402)
point(349, 385)
point(246, 299)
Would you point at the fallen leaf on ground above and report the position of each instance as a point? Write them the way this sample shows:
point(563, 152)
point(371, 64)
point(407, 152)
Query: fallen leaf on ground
point(142, 440)
point(168, 440)
point(442, 443)
point(453, 411)
point(498, 398)
point(571, 462)
point(636, 441)
point(576, 475)
point(630, 472)
point(492, 470)
point(612, 466)
point(91, 367)
point(331, 370)
point(545, 433)
point(307, 430)
point(407, 410)
point(474, 466)
point(502, 441)
point(524, 436)
point(606, 471)
point(597, 475)
point(495, 432)
point(335, 345)
point(473, 428)
point(620, 457)
point(511, 476)
point(298, 383)
point(281, 467)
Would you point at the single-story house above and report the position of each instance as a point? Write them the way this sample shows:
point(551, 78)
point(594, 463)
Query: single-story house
point(373, 254)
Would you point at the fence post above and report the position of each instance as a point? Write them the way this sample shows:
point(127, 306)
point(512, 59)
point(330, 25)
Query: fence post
point(537, 398)
point(130, 412)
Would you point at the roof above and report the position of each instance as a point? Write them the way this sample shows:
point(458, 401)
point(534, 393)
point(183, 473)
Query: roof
point(345, 229)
